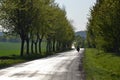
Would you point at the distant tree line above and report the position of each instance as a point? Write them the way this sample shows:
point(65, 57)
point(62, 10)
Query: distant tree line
point(9, 39)
point(35, 20)
point(104, 26)
point(79, 41)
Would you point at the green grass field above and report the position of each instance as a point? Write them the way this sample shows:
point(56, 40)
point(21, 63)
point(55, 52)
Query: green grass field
point(101, 66)
point(9, 48)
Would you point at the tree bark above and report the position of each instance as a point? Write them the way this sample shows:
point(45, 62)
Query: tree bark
point(36, 48)
point(32, 47)
point(54, 45)
point(27, 51)
point(22, 47)
point(57, 46)
point(48, 46)
point(40, 41)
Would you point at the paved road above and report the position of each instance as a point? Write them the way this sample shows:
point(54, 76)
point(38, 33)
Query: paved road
point(63, 66)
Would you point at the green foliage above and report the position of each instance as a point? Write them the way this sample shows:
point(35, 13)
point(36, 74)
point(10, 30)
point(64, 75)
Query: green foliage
point(103, 26)
point(99, 65)
point(35, 20)
point(79, 41)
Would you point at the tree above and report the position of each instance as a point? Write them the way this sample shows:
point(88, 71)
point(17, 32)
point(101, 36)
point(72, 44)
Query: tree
point(103, 26)
point(17, 18)
point(30, 20)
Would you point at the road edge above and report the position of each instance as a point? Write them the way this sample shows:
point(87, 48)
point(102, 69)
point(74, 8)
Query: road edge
point(81, 68)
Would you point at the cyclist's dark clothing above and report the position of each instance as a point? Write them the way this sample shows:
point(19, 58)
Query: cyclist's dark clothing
point(78, 48)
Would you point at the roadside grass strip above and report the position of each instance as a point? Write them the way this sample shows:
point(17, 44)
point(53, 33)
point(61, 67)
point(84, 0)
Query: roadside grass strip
point(99, 65)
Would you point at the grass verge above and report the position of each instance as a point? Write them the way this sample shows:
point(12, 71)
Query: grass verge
point(99, 65)
point(6, 61)
point(9, 54)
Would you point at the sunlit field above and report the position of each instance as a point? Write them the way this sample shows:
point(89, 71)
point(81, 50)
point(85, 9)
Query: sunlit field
point(11, 48)
point(10, 51)
point(101, 66)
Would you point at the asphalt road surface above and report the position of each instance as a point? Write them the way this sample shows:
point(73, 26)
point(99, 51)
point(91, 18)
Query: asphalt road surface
point(62, 66)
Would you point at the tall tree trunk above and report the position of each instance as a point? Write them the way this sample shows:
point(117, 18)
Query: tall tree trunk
point(36, 43)
point(36, 48)
point(32, 47)
point(53, 45)
point(63, 47)
point(57, 46)
point(27, 42)
point(50, 46)
point(47, 47)
point(40, 41)
point(116, 47)
point(22, 47)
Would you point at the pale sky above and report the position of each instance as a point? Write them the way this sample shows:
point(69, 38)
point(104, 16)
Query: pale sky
point(78, 11)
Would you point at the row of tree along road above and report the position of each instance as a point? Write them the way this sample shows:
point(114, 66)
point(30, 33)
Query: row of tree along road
point(35, 20)
point(104, 26)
